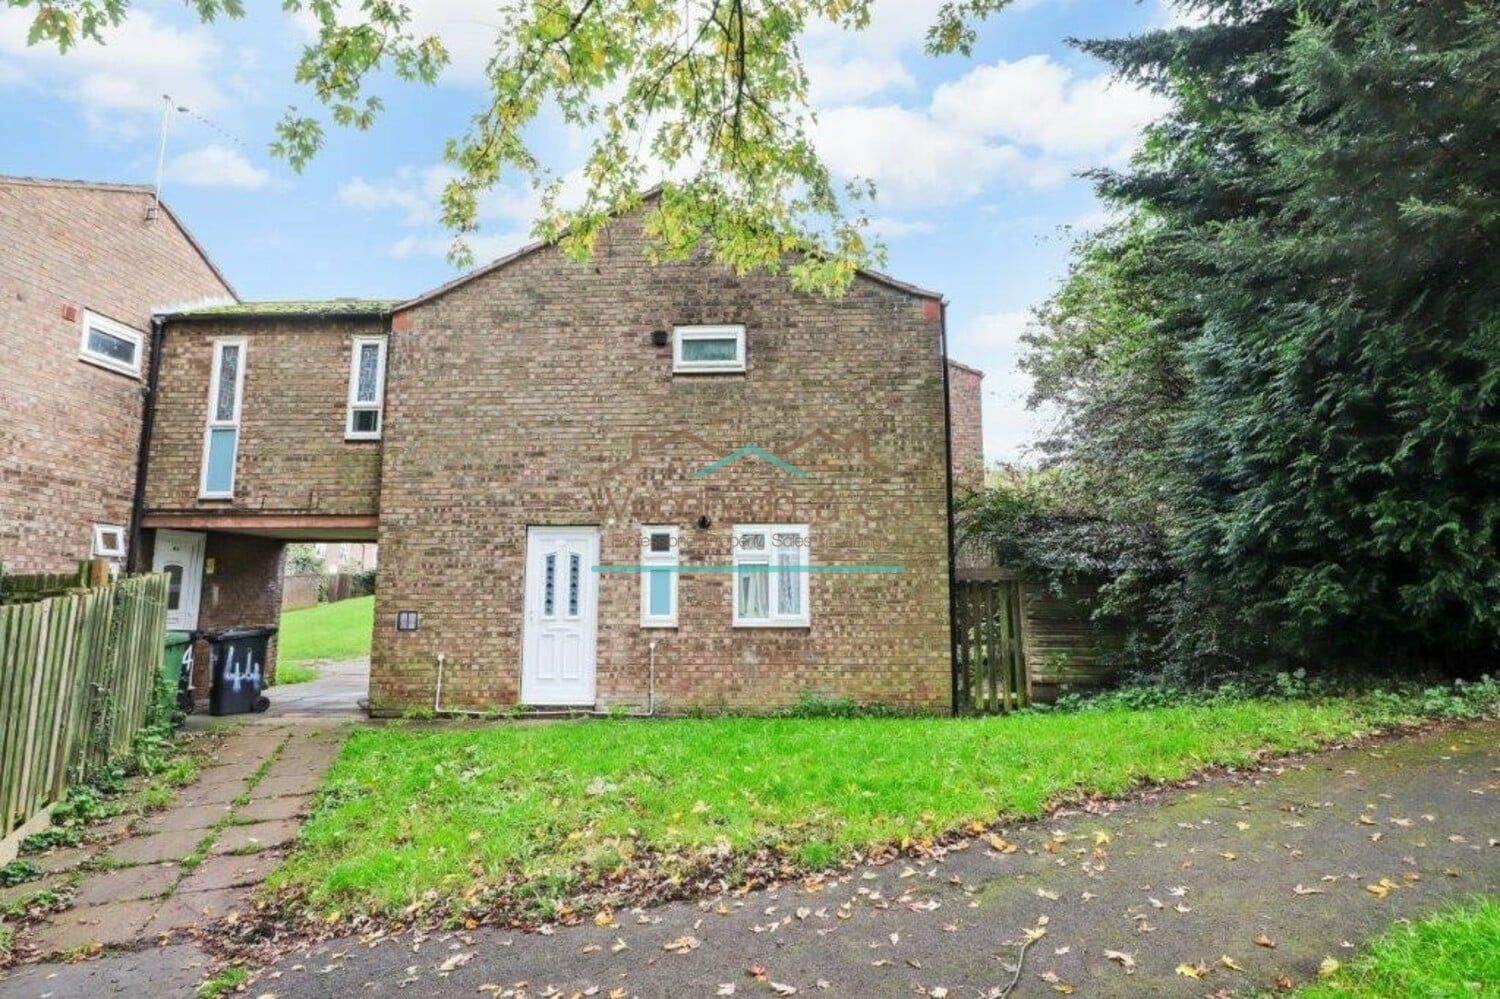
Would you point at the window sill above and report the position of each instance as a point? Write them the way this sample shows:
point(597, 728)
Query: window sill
point(119, 369)
point(658, 625)
point(783, 625)
point(361, 438)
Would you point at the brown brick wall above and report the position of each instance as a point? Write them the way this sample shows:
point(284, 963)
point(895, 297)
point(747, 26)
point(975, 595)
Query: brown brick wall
point(965, 399)
point(69, 430)
point(533, 396)
point(292, 455)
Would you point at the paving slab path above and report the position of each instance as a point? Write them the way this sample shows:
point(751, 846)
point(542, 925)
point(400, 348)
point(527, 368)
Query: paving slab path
point(1311, 857)
point(193, 862)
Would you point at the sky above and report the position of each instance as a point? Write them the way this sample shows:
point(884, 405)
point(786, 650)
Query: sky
point(976, 159)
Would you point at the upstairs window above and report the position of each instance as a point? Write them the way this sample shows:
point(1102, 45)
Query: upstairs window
point(366, 389)
point(770, 579)
point(708, 349)
point(110, 345)
point(659, 561)
point(221, 439)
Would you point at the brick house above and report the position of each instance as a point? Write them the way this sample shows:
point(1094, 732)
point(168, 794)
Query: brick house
point(84, 268)
point(612, 484)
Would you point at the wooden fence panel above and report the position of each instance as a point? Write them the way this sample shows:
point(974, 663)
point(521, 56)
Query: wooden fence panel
point(989, 660)
point(76, 679)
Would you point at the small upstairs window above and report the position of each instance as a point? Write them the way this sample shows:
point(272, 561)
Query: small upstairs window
point(109, 541)
point(110, 345)
point(366, 389)
point(708, 349)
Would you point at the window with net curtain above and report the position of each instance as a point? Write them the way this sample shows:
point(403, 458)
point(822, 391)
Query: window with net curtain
point(708, 349)
point(771, 576)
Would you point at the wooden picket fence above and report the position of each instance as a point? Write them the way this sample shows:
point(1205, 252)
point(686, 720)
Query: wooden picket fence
point(76, 679)
point(989, 654)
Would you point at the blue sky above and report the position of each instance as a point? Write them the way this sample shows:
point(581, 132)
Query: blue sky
point(975, 158)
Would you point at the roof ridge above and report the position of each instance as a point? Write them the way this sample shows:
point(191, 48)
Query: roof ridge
point(93, 185)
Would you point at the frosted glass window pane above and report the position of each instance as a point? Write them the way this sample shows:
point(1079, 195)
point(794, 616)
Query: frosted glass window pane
point(229, 366)
point(116, 348)
point(221, 445)
point(660, 595)
point(369, 364)
point(549, 587)
point(574, 565)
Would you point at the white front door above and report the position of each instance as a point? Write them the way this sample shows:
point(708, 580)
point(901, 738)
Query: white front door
point(562, 599)
point(179, 554)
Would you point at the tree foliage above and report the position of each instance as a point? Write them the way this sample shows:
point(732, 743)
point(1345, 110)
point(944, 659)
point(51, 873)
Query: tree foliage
point(709, 95)
point(1289, 351)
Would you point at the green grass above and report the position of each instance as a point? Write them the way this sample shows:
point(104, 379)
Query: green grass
point(287, 673)
point(225, 982)
point(1454, 953)
point(534, 811)
point(328, 631)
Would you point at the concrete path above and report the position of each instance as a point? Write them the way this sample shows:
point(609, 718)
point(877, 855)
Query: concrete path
point(335, 695)
point(191, 864)
point(1274, 871)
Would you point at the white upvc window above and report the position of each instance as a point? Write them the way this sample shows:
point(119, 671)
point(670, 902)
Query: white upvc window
point(221, 438)
point(109, 541)
point(770, 579)
point(366, 389)
point(110, 344)
point(708, 349)
point(659, 562)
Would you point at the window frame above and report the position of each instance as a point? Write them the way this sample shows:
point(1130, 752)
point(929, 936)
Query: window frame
point(100, 549)
point(682, 334)
point(213, 423)
point(92, 321)
point(354, 404)
point(671, 558)
point(777, 618)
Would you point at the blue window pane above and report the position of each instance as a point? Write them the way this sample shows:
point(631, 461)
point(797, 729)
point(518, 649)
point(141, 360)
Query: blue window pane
point(221, 447)
point(659, 597)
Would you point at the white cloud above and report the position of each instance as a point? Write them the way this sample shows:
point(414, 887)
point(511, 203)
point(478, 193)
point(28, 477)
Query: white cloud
point(912, 158)
point(119, 84)
point(892, 228)
point(1036, 102)
point(216, 166)
point(845, 66)
point(992, 342)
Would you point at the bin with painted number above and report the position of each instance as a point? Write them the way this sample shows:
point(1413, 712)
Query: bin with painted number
point(236, 669)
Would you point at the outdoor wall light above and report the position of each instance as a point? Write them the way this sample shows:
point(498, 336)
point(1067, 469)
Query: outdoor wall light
point(407, 620)
point(704, 523)
point(658, 338)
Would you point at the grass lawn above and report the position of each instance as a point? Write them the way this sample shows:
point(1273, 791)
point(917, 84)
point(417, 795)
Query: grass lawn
point(533, 812)
point(288, 673)
point(327, 631)
point(1455, 953)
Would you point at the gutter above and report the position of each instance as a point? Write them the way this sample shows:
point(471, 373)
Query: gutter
point(948, 472)
point(142, 457)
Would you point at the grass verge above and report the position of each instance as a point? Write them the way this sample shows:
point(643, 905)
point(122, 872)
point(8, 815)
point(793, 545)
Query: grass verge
point(528, 815)
point(1453, 953)
point(328, 631)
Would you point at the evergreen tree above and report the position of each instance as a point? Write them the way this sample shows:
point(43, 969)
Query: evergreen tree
point(1310, 287)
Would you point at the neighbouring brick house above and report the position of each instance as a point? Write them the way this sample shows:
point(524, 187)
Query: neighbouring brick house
point(591, 485)
point(83, 267)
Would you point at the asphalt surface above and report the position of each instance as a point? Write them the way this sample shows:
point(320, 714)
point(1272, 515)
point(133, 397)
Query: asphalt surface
point(1275, 870)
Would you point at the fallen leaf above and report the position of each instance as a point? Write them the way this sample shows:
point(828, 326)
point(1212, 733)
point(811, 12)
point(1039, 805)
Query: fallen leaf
point(725, 989)
point(1192, 970)
point(1304, 890)
point(783, 989)
point(1328, 967)
point(1101, 838)
point(1231, 963)
point(1230, 855)
point(1261, 940)
point(456, 961)
point(605, 918)
point(683, 944)
point(1125, 960)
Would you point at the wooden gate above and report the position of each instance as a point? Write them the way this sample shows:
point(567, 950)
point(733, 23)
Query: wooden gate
point(989, 658)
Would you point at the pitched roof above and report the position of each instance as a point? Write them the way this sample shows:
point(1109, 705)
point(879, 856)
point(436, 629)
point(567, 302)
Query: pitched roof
point(647, 195)
point(144, 189)
point(331, 308)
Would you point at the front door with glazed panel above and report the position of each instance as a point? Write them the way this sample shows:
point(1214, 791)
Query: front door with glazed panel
point(562, 597)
